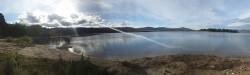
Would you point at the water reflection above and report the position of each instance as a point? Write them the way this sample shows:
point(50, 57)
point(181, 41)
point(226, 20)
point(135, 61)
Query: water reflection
point(94, 45)
point(57, 42)
point(116, 45)
point(63, 43)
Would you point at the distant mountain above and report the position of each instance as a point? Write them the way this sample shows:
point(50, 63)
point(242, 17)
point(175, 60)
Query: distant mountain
point(152, 29)
point(129, 29)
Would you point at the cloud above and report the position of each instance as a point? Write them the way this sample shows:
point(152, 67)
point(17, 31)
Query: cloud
point(239, 25)
point(242, 22)
point(176, 12)
point(61, 13)
point(57, 20)
point(170, 13)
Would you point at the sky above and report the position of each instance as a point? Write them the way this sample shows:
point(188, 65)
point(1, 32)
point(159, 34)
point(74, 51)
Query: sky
point(193, 14)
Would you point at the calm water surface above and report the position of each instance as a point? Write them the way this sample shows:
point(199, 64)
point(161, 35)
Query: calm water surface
point(117, 45)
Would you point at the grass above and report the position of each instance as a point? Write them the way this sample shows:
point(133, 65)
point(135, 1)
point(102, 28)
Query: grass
point(40, 66)
point(21, 41)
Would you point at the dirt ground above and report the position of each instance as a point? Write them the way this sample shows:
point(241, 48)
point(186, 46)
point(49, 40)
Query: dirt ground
point(178, 65)
point(194, 65)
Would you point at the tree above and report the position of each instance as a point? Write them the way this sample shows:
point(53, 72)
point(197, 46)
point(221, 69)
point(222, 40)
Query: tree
point(2, 24)
point(37, 31)
point(16, 30)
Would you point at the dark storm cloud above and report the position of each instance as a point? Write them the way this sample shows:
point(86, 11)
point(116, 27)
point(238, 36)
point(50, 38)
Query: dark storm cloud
point(53, 17)
point(65, 23)
point(240, 23)
point(31, 18)
point(81, 21)
point(247, 20)
point(105, 8)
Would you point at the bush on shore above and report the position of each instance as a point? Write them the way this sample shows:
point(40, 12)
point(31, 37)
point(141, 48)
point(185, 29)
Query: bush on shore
point(13, 66)
point(16, 64)
point(21, 41)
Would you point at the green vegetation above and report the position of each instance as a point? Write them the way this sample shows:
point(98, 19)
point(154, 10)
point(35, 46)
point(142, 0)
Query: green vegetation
point(20, 30)
point(13, 64)
point(219, 30)
point(15, 30)
point(24, 41)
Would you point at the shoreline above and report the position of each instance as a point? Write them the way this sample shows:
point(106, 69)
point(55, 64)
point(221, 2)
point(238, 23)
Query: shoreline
point(42, 49)
point(156, 65)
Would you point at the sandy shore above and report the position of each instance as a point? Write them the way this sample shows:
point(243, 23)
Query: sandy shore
point(160, 65)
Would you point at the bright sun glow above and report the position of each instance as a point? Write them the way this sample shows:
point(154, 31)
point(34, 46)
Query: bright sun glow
point(65, 8)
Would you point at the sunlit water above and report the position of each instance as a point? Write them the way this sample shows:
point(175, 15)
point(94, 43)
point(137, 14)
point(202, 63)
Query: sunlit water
point(117, 45)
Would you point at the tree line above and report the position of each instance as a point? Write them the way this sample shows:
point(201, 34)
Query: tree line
point(220, 30)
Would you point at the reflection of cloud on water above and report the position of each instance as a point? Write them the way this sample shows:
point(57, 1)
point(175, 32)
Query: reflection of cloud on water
point(95, 44)
point(122, 45)
point(77, 50)
point(56, 43)
point(241, 42)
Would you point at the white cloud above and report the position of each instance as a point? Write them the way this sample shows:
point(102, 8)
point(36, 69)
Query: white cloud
point(183, 11)
point(59, 20)
point(173, 13)
point(242, 22)
point(239, 25)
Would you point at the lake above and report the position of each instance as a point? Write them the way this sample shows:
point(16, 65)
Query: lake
point(141, 44)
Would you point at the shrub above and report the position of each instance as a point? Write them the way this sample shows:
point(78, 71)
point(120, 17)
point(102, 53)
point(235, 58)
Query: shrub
point(21, 41)
point(9, 39)
point(12, 67)
point(24, 41)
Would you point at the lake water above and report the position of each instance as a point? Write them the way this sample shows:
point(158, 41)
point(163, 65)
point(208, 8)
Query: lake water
point(118, 45)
